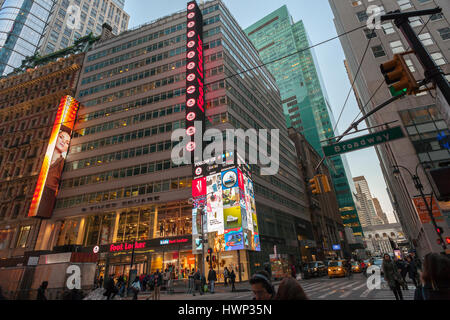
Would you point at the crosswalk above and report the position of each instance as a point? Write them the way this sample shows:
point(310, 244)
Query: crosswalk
point(350, 289)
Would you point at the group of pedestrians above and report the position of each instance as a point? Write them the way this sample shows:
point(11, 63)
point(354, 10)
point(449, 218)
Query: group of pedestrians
point(432, 280)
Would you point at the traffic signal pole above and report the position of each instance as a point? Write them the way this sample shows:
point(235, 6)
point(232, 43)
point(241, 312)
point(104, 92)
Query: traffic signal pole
point(432, 71)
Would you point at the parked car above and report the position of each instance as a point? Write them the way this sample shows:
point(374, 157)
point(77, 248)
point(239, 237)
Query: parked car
point(336, 269)
point(314, 269)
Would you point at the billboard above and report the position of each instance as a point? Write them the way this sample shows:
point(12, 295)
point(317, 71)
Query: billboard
point(234, 239)
point(47, 186)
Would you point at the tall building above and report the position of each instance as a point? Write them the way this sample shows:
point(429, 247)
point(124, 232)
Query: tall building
point(30, 27)
point(305, 103)
point(120, 185)
point(418, 115)
point(29, 105)
point(368, 214)
point(22, 24)
point(380, 213)
point(73, 19)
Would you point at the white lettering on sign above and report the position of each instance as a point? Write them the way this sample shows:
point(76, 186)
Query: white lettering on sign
point(74, 280)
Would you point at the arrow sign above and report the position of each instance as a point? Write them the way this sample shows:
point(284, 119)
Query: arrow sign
point(363, 142)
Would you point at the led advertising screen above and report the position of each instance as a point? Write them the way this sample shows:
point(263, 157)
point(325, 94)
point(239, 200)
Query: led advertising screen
point(47, 186)
point(234, 239)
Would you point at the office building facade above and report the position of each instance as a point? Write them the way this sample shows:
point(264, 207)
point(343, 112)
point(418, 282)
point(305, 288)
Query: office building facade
point(120, 185)
point(368, 214)
point(305, 103)
point(419, 116)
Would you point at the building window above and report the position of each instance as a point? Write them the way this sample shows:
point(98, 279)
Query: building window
point(397, 47)
point(426, 39)
point(16, 211)
point(362, 16)
point(415, 21)
point(437, 16)
point(378, 51)
point(444, 33)
point(404, 4)
point(438, 58)
point(410, 65)
point(23, 237)
point(370, 33)
point(356, 3)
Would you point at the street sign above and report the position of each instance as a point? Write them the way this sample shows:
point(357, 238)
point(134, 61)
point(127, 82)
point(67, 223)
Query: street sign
point(363, 142)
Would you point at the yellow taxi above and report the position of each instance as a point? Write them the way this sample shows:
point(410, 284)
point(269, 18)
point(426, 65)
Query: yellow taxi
point(336, 269)
point(356, 267)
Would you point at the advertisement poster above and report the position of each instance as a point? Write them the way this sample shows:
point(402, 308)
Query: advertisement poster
point(229, 179)
point(230, 198)
point(257, 242)
point(199, 187)
point(219, 243)
point(214, 183)
point(47, 187)
point(232, 218)
point(215, 212)
point(196, 244)
point(234, 239)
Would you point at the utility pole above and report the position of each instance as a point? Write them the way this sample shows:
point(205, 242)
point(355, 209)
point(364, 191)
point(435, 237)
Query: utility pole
point(432, 71)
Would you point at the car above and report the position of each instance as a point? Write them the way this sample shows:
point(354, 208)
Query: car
point(356, 267)
point(379, 263)
point(336, 269)
point(314, 269)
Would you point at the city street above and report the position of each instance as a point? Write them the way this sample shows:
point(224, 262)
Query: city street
point(316, 289)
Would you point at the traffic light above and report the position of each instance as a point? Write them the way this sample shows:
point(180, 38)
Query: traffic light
point(447, 240)
point(397, 73)
point(314, 184)
point(325, 184)
point(439, 230)
point(439, 241)
point(209, 251)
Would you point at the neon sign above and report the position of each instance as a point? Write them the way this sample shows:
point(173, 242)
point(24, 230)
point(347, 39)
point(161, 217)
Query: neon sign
point(167, 241)
point(126, 246)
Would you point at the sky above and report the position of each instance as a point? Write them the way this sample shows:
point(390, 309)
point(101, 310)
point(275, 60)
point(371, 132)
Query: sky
point(318, 19)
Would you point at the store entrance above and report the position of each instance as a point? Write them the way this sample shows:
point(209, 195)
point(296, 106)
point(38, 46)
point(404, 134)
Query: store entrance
point(124, 269)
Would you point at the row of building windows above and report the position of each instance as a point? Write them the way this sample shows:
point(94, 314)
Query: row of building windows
point(125, 192)
point(135, 104)
point(136, 65)
point(137, 42)
point(141, 169)
point(130, 136)
point(131, 120)
point(120, 155)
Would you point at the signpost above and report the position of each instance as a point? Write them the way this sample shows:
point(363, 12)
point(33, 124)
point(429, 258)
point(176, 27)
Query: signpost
point(363, 142)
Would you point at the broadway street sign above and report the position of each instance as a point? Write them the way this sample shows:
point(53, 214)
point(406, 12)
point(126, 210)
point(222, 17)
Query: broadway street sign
point(362, 142)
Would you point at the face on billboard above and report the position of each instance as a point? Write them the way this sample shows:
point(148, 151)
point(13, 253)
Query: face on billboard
point(46, 190)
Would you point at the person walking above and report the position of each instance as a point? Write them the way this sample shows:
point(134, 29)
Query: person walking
point(392, 276)
point(136, 287)
point(435, 278)
point(412, 270)
point(111, 288)
point(226, 274)
point(403, 270)
point(293, 272)
point(197, 282)
point(262, 287)
point(232, 280)
point(120, 286)
point(100, 282)
point(416, 260)
point(212, 278)
point(158, 283)
point(290, 289)
point(41, 291)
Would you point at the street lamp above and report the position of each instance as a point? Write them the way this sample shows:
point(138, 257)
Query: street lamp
point(419, 187)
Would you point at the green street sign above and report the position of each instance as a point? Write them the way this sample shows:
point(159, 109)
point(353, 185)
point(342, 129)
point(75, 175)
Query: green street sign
point(363, 142)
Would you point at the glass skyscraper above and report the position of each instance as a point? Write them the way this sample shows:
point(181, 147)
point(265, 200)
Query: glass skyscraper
point(22, 23)
point(305, 102)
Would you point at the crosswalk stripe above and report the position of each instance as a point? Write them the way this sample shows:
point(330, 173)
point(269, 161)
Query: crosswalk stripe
point(359, 287)
point(366, 293)
point(327, 294)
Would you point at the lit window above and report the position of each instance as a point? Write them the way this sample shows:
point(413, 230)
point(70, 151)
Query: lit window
point(23, 237)
point(388, 28)
point(404, 4)
point(438, 58)
point(397, 47)
point(426, 39)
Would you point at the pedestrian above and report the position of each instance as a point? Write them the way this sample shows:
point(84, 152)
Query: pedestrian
point(293, 272)
point(226, 274)
point(121, 286)
point(212, 278)
point(290, 289)
point(144, 283)
point(2, 297)
point(402, 268)
point(435, 278)
point(197, 282)
point(262, 286)
point(416, 260)
point(158, 283)
point(110, 288)
point(232, 280)
point(136, 287)
point(41, 291)
point(412, 270)
point(100, 282)
point(392, 276)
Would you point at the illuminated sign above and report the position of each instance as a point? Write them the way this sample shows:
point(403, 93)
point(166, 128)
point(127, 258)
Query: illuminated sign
point(126, 246)
point(167, 241)
point(47, 186)
point(195, 94)
point(336, 247)
point(96, 249)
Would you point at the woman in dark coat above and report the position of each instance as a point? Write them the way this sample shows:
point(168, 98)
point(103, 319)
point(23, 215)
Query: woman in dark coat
point(412, 270)
point(435, 278)
point(392, 276)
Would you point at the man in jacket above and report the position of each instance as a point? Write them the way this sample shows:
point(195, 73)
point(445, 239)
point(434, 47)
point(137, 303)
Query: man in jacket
point(197, 282)
point(392, 276)
point(158, 283)
point(41, 291)
point(212, 278)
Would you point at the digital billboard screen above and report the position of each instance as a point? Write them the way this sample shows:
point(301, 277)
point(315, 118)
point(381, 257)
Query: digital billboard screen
point(47, 186)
